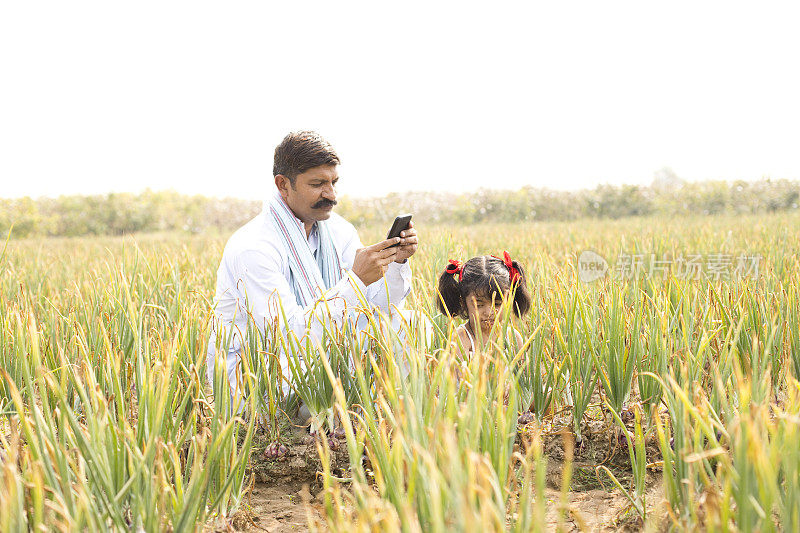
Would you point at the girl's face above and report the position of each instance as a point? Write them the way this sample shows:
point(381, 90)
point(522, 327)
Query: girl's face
point(482, 310)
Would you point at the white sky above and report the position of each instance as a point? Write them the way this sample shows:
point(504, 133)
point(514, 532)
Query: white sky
point(110, 96)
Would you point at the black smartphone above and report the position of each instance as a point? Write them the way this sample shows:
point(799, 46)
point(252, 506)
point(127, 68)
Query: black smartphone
point(400, 223)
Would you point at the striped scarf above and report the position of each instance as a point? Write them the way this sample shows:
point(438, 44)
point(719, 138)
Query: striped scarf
point(309, 276)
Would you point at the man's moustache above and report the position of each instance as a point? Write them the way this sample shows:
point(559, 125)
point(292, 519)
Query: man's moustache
point(324, 203)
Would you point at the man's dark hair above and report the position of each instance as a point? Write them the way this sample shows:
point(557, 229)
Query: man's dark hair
point(301, 151)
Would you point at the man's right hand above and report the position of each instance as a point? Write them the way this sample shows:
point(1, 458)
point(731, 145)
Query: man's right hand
point(370, 263)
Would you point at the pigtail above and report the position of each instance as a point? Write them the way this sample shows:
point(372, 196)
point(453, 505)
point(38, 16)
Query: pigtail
point(449, 299)
point(522, 297)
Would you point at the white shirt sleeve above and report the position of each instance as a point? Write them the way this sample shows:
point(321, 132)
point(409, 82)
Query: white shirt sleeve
point(388, 292)
point(269, 297)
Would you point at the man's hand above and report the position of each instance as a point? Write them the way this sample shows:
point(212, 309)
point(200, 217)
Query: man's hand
point(408, 243)
point(370, 263)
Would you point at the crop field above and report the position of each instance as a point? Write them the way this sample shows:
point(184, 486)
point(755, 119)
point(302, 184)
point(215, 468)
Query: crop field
point(664, 394)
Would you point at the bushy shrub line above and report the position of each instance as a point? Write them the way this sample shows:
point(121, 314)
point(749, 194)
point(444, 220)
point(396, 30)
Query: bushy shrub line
point(120, 213)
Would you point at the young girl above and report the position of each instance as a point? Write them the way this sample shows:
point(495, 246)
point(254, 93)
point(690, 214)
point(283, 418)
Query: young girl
point(474, 290)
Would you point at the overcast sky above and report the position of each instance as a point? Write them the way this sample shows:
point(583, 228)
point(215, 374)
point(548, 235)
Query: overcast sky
point(109, 96)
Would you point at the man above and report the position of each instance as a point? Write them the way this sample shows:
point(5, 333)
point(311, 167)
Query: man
point(297, 253)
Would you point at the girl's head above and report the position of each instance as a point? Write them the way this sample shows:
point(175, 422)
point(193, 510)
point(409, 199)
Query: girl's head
point(475, 290)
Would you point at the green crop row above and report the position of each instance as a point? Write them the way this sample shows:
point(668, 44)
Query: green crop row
point(107, 422)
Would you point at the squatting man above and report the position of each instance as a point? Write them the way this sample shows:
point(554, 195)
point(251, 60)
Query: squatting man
point(299, 260)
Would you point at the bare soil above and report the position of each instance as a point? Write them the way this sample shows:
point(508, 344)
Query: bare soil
point(286, 494)
point(278, 507)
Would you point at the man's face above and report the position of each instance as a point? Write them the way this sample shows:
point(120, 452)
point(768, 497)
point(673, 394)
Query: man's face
point(314, 193)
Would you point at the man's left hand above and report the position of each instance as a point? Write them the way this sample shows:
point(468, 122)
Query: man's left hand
point(408, 244)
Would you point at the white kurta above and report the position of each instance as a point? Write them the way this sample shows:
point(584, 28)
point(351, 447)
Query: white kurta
point(253, 277)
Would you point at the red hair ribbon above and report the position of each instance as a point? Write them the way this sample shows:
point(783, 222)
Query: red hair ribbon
point(513, 273)
point(455, 267)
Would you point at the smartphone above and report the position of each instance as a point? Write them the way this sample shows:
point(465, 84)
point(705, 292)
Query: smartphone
point(400, 223)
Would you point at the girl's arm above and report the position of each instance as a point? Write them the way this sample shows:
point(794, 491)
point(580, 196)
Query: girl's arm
point(462, 345)
point(518, 336)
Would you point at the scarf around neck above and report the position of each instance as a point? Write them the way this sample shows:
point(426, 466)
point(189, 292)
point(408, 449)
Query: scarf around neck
point(309, 275)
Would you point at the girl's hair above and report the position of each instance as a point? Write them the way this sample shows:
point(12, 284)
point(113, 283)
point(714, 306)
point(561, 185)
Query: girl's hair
point(484, 275)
